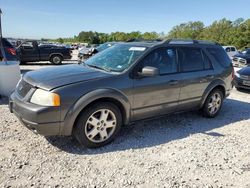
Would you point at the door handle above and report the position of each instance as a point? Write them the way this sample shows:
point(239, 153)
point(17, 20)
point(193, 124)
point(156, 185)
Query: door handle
point(173, 82)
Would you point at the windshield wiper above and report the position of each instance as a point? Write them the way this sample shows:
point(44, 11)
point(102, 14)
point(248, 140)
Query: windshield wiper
point(97, 67)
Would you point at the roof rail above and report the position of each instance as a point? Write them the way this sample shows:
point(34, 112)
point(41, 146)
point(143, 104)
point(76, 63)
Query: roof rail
point(144, 40)
point(188, 41)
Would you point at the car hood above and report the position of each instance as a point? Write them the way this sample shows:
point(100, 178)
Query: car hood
point(51, 78)
point(242, 55)
point(244, 71)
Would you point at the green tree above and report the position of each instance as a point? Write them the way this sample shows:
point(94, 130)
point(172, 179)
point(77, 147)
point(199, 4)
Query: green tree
point(150, 35)
point(190, 30)
point(60, 40)
point(219, 31)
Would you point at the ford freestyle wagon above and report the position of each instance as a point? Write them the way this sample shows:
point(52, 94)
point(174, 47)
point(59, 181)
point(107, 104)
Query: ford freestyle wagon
point(123, 84)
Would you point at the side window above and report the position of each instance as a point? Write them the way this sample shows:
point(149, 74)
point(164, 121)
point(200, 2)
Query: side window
point(207, 62)
point(233, 49)
point(220, 56)
point(227, 49)
point(163, 58)
point(190, 59)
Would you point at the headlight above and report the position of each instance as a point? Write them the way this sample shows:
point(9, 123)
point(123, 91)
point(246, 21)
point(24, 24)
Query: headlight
point(45, 98)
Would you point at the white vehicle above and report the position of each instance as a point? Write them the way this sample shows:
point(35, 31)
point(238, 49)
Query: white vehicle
point(231, 51)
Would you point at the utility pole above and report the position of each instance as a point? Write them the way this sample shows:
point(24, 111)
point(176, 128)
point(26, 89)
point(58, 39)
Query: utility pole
point(1, 37)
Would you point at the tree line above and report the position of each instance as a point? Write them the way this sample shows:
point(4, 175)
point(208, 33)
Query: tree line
point(225, 32)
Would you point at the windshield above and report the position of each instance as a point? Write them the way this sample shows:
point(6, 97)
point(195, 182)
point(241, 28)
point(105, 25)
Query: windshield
point(104, 46)
point(116, 58)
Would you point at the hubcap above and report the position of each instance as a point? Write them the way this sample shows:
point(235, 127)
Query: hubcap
point(100, 126)
point(214, 103)
point(56, 60)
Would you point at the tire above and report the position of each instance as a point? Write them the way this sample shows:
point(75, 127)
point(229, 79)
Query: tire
point(98, 125)
point(213, 104)
point(56, 59)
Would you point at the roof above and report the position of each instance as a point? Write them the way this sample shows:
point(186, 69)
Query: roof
point(150, 43)
point(228, 46)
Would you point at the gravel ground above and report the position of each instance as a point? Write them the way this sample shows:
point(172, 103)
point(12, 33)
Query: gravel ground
point(184, 150)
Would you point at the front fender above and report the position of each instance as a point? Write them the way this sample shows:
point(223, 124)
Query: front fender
point(209, 88)
point(76, 108)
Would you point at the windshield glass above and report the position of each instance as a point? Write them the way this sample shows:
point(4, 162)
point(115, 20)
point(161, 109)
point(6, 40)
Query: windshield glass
point(116, 58)
point(104, 46)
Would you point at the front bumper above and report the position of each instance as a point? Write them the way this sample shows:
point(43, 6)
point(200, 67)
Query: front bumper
point(238, 83)
point(39, 119)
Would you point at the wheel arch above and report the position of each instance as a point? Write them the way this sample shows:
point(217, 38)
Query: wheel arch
point(100, 95)
point(54, 54)
point(217, 84)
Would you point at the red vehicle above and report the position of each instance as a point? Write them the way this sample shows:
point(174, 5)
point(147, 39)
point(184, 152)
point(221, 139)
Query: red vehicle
point(10, 51)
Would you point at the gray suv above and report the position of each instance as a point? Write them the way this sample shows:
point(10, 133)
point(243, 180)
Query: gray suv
point(123, 84)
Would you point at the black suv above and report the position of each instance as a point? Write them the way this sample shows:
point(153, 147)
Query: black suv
point(123, 84)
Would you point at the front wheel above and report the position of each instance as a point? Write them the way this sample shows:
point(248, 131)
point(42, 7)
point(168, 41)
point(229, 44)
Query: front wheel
point(213, 104)
point(98, 125)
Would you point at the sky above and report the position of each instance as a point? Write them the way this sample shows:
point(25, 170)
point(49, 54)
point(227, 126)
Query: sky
point(65, 18)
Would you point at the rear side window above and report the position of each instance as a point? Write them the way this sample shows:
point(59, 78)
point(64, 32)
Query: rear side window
point(207, 62)
point(190, 59)
point(220, 56)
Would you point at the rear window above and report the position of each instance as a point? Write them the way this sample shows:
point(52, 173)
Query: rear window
point(220, 56)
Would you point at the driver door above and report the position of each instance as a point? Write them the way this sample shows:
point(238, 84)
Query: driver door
point(157, 95)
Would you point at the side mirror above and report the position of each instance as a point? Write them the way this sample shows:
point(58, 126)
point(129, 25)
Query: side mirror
point(149, 71)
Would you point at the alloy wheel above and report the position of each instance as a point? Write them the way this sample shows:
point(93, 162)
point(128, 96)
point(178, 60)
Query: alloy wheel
point(100, 126)
point(214, 103)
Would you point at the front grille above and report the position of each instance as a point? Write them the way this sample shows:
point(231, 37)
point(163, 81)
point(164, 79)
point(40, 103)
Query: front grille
point(235, 59)
point(244, 77)
point(23, 88)
point(243, 61)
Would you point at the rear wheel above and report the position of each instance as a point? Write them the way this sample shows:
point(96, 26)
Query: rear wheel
point(98, 125)
point(56, 59)
point(213, 104)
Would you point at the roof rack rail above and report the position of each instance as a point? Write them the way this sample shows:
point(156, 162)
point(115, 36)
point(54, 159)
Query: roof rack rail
point(144, 40)
point(188, 41)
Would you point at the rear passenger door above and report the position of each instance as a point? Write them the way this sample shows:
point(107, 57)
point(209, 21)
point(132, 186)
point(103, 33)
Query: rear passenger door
point(196, 73)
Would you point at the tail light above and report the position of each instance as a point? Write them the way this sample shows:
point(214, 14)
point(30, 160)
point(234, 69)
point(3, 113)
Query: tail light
point(12, 51)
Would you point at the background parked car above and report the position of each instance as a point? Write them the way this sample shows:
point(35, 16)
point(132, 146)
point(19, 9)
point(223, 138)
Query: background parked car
point(88, 52)
point(9, 49)
point(231, 51)
point(242, 78)
point(242, 59)
point(30, 51)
